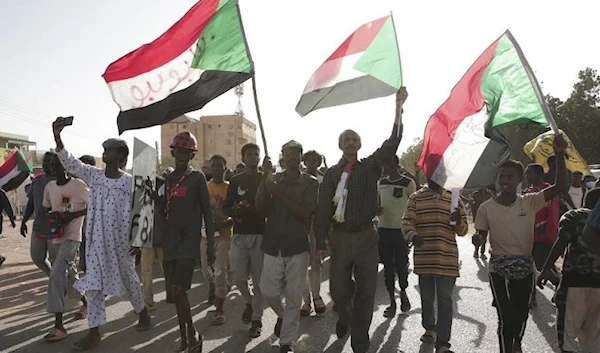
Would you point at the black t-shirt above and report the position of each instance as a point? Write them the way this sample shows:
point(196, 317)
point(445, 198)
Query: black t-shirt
point(188, 210)
point(243, 187)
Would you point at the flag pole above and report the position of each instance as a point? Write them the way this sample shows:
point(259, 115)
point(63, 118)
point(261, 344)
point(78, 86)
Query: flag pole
point(260, 124)
point(398, 114)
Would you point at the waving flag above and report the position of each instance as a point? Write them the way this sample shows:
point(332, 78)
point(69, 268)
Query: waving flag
point(541, 147)
point(462, 147)
point(199, 58)
point(14, 171)
point(365, 66)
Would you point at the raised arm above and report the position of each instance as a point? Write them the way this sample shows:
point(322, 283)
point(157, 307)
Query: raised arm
point(560, 183)
point(390, 146)
point(70, 163)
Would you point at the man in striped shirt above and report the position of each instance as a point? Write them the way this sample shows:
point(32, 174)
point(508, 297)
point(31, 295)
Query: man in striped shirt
point(432, 228)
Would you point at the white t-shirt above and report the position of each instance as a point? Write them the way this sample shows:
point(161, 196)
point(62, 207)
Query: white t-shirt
point(576, 195)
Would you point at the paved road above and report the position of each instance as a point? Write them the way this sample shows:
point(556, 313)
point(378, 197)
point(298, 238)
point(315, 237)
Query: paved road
point(23, 320)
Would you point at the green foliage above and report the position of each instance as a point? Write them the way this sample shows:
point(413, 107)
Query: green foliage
point(169, 161)
point(409, 158)
point(577, 117)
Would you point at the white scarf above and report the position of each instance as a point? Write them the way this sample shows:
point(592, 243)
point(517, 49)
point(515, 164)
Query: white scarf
point(341, 195)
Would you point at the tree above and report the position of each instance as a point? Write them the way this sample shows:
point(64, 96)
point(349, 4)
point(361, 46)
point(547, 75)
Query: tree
point(168, 161)
point(576, 116)
point(409, 158)
point(580, 113)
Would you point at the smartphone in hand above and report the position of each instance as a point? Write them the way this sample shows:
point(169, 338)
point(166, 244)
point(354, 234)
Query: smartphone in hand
point(68, 121)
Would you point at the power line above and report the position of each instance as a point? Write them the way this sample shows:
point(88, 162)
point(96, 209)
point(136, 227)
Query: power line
point(38, 118)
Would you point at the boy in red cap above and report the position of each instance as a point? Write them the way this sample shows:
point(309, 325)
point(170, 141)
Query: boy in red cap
point(186, 204)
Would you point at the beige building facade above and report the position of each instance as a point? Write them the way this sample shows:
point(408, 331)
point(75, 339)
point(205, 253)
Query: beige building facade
point(216, 134)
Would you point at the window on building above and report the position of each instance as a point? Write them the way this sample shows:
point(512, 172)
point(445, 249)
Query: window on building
point(219, 126)
point(184, 126)
point(209, 126)
point(229, 142)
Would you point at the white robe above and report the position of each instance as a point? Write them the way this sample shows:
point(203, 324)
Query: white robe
point(110, 268)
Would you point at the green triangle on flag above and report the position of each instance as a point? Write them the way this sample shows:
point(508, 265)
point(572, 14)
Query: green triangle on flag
point(365, 66)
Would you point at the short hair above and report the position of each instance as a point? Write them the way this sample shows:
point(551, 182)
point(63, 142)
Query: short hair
point(515, 165)
point(551, 159)
point(313, 153)
point(49, 154)
point(240, 165)
point(345, 132)
point(87, 159)
point(249, 146)
point(591, 198)
point(577, 173)
point(395, 160)
point(218, 156)
point(537, 168)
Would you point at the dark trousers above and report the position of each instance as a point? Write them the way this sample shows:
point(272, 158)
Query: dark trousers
point(512, 305)
point(540, 253)
point(393, 253)
point(437, 288)
point(82, 263)
point(354, 255)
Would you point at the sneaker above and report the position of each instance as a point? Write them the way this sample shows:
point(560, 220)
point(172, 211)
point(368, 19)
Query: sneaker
point(429, 337)
point(218, 319)
point(319, 305)
point(277, 329)
point(255, 329)
point(286, 348)
point(517, 347)
point(144, 321)
point(404, 302)
point(247, 314)
point(341, 330)
point(305, 310)
point(443, 349)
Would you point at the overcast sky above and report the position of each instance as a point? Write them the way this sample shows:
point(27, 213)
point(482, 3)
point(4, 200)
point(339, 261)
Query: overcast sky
point(54, 53)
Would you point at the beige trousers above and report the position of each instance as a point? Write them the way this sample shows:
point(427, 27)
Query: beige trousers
point(149, 257)
point(219, 277)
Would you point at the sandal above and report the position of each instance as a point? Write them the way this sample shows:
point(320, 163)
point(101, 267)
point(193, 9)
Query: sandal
point(218, 319)
point(55, 335)
point(82, 313)
point(2, 259)
point(306, 310)
point(319, 306)
point(144, 323)
point(86, 343)
point(390, 311)
point(195, 344)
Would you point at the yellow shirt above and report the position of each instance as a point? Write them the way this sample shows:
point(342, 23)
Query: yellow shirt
point(218, 193)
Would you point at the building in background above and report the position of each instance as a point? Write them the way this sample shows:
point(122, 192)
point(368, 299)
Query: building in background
point(216, 134)
point(8, 142)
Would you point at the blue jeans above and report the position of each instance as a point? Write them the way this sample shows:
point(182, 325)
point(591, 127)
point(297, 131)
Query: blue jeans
point(443, 286)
